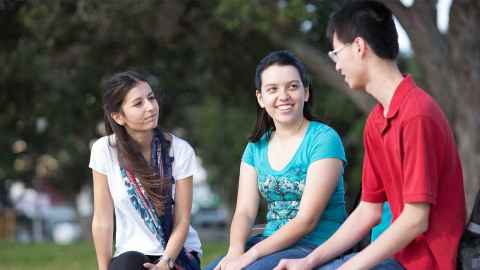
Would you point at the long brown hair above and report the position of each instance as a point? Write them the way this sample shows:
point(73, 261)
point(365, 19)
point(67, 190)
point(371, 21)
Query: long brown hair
point(129, 154)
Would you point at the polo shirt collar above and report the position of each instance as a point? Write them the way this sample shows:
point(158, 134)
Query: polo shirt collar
point(399, 95)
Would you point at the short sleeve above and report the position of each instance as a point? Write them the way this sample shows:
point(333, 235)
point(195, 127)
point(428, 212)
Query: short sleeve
point(184, 159)
point(248, 155)
point(372, 186)
point(422, 144)
point(327, 144)
point(99, 156)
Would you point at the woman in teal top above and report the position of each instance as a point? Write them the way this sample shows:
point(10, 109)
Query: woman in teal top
point(296, 163)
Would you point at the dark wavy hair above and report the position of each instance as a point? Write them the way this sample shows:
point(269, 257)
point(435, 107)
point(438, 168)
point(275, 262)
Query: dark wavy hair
point(264, 123)
point(115, 89)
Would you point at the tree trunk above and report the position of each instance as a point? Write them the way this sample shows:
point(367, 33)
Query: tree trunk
point(464, 64)
point(451, 64)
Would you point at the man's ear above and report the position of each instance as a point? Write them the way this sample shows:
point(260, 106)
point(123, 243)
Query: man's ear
point(361, 46)
point(258, 93)
point(118, 118)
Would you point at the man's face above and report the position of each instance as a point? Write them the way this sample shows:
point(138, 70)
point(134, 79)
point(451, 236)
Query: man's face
point(349, 63)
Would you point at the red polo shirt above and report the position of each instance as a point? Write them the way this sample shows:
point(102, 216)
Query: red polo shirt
point(411, 157)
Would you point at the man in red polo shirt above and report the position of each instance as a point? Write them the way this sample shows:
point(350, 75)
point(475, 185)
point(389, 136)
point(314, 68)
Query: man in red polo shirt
point(410, 159)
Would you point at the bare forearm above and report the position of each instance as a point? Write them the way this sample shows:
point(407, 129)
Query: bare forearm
point(239, 232)
point(102, 238)
point(181, 222)
point(403, 231)
point(177, 239)
point(351, 232)
point(286, 236)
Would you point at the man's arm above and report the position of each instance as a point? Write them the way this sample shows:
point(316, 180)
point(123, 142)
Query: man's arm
point(357, 225)
point(412, 222)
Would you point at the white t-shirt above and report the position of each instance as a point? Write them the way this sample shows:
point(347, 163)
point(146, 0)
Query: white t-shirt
point(131, 232)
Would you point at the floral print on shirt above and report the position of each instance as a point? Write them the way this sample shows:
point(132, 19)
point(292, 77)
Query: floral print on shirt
point(283, 193)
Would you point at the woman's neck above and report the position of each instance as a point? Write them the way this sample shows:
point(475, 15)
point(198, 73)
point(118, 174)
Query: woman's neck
point(144, 141)
point(284, 132)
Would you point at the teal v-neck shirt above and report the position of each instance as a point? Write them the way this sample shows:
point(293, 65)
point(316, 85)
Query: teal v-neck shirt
point(283, 189)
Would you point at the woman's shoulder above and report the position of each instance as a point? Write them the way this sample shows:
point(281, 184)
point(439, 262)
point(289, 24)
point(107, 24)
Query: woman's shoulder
point(321, 134)
point(319, 128)
point(262, 141)
point(102, 154)
point(104, 142)
point(257, 146)
point(176, 140)
point(179, 145)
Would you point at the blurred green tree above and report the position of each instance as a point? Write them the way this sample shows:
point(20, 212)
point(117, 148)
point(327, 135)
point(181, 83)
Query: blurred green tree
point(55, 54)
point(202, 56)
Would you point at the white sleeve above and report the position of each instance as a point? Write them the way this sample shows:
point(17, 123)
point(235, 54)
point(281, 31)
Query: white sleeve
point(184, 162)
point(98, 156)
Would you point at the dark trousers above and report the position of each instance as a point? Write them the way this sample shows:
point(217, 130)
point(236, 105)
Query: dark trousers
point(134, 260)
point(131, 260)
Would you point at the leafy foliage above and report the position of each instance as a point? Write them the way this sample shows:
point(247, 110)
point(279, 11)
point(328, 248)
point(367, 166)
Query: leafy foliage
point(201, 56)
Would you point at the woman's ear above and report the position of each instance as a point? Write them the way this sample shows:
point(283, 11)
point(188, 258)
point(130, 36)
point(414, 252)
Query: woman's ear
point(307, 94)
point(258, 93)
point(118, 118)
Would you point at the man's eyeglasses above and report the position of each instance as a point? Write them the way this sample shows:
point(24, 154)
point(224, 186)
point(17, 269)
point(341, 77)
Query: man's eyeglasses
point(334, 54)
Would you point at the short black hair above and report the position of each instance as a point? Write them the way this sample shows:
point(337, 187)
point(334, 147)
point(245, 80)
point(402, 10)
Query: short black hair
point(370, 20)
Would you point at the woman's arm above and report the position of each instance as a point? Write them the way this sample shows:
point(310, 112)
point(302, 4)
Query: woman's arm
point(102, 223)
point(245, 210)
point(244, 216)
point(322, 179)
point(182, 213)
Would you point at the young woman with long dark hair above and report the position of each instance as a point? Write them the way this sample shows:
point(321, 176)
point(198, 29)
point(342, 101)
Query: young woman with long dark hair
point(142, 179)
point(295, 162)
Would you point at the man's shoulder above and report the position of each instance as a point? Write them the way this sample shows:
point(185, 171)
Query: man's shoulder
point(420, 104)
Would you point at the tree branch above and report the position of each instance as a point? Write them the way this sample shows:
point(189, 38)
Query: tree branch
point(420, 23)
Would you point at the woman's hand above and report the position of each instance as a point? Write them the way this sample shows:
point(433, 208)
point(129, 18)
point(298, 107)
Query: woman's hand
point(161, 265)
point(242, 261)
point(293, 264)
point(238, 263)
point(229, 258)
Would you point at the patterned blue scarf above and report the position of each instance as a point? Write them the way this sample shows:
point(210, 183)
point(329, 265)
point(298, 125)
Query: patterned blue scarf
point(160, 227)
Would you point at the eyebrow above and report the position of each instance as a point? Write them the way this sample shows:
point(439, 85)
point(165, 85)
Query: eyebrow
point(275, 84)
point(140, 98)
point(136, 100)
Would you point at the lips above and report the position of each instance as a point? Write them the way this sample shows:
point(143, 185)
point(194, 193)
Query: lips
point(285, 107)
point(151, 118)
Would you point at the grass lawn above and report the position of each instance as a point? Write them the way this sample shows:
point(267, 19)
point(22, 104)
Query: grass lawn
point(79, 256)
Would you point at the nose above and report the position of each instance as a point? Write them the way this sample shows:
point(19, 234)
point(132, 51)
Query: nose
point(283, 95)
point(150, 104)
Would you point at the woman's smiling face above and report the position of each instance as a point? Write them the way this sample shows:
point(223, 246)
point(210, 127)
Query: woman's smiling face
point(282, 94)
